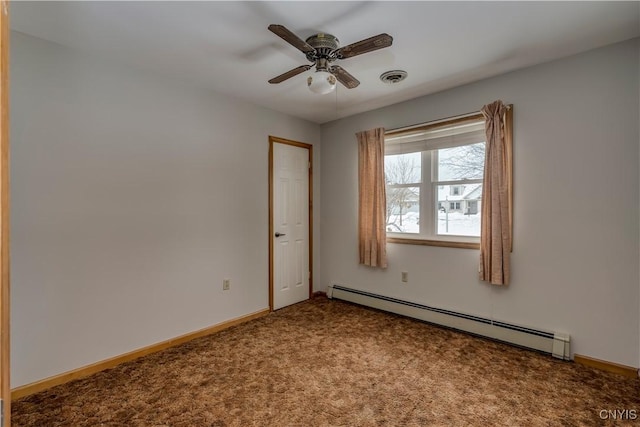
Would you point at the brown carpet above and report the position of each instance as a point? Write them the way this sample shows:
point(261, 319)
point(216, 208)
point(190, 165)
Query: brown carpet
point(329, 363)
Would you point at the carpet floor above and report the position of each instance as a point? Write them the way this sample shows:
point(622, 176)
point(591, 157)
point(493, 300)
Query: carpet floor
point(329, 363)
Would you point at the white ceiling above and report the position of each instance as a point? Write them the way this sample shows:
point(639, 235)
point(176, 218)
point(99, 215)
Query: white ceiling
point(225, 46)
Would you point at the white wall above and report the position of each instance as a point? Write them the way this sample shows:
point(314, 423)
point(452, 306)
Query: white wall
point(132, 198)
point(576, 237)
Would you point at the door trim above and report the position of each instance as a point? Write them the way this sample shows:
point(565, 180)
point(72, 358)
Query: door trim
point(5, 387)
point(309, 147)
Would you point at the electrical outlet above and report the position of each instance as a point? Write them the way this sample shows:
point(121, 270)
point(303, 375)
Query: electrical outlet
point(226, 284)
point(405, 276)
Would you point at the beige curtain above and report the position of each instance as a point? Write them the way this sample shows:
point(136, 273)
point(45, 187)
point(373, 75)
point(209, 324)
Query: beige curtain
point(495, 235)
point(372, 201)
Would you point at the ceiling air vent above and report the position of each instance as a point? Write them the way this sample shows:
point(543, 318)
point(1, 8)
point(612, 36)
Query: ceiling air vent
point(393, 77)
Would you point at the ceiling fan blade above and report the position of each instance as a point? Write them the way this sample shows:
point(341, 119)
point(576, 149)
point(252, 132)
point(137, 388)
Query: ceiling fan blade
point(289, 74)
point(344, 77)
point(367, 45)
point(286, 35)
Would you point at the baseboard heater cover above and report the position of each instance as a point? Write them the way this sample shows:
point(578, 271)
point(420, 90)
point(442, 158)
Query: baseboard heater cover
point(555, 343)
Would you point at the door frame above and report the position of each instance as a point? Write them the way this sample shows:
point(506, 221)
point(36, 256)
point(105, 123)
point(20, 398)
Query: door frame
point(5, 385)
point(309, 147)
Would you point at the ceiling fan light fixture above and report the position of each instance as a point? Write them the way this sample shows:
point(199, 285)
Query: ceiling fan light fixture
point(321, 82)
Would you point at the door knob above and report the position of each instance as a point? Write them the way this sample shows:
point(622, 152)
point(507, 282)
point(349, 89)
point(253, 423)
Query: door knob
point(280, 234)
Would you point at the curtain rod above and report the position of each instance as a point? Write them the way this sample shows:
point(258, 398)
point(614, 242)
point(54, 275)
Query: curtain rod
point(460, 116)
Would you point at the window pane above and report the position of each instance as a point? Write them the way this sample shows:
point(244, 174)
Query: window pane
point(403, 168)
point(403, 209)
point(459, 215)
point(465, 162)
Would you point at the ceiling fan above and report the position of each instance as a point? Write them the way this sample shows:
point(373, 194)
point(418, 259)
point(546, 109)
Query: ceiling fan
point(323, 49)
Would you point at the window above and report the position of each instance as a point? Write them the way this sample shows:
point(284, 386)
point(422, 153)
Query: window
point(472, 207)
point(434, 182)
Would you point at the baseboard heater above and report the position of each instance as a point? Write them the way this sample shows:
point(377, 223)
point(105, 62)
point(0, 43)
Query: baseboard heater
point(554, 343)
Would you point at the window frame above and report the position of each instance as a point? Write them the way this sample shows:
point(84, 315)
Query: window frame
point(428, 186)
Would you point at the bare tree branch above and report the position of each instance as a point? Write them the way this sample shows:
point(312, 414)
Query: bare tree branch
point(462, 162)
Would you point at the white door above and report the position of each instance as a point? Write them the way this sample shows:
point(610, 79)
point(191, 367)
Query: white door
point(290, 224)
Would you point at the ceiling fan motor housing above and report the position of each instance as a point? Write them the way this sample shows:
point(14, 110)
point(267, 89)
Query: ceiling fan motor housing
point(325, 46)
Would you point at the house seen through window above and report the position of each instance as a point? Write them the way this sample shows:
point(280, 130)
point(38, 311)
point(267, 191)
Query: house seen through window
point(434, 177)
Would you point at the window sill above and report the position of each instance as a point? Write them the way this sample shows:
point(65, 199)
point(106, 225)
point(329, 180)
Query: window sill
point(442, 243)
